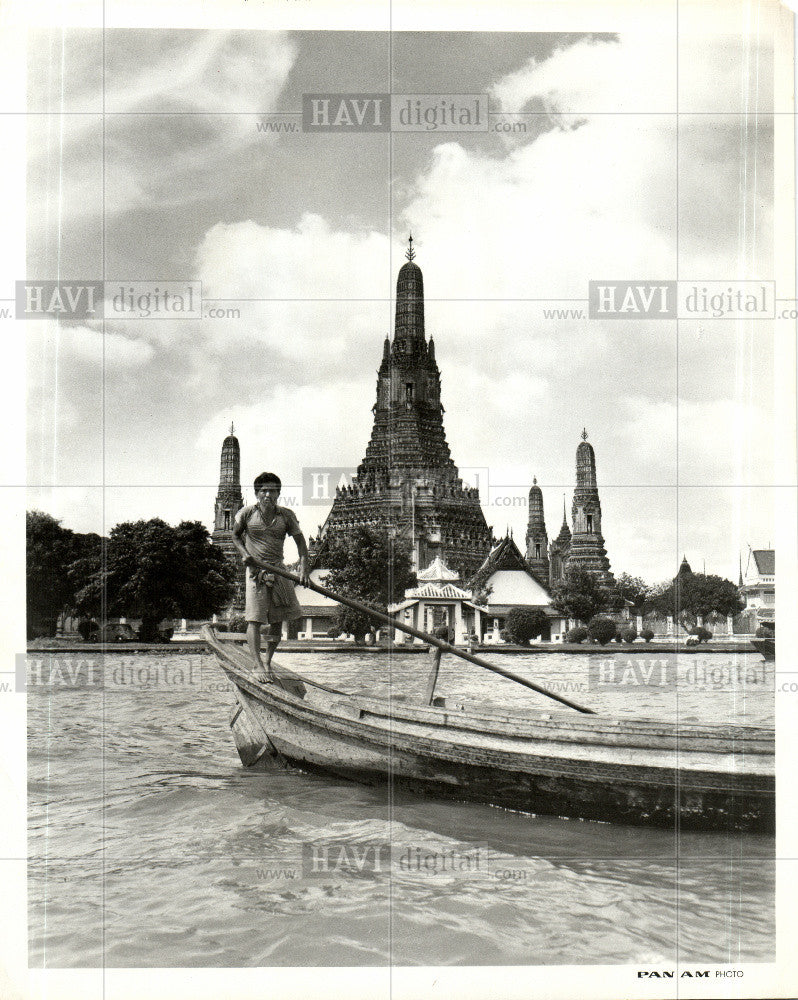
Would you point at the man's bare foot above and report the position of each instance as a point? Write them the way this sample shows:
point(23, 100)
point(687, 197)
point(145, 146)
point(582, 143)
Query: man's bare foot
point(259, 671)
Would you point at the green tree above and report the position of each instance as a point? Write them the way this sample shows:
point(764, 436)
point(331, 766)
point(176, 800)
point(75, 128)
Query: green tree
point(84, 571)
point(602, 630)
point(49, 552)
point(635, 590)
point(154, 571)
point(351, 622)
point(59, 563)
point(371, 567)
point(692, 595)
point(580, 596)
point(524, 624)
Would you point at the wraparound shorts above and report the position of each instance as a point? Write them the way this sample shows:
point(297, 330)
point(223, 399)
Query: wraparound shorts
point(269, 604)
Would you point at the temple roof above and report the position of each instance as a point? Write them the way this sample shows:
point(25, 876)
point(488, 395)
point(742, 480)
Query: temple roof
point(444, 590)
point(505, 555)
point(437, 572)
point(565, 532)
point(765, 560)
point(409, 269)
point(585, 464)
point(536, 505)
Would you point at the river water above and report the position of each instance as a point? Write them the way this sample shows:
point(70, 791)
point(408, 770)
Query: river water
point(150, 845)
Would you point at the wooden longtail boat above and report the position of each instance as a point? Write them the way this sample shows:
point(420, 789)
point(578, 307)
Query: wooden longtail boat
point(638, 771)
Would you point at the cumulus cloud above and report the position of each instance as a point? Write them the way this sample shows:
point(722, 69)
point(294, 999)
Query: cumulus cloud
point(538, 224)
point(70, 345)
point(180, 104)
point(297, 269)
point(210, 71)
point(594, 76)
point(293, 427)
point(595, 194)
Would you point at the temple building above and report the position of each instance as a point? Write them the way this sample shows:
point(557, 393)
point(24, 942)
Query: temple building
point(408, 485)
point(537, 541)
point(758, 585)
point(437, 601)
point(477, 610)
point(229, 499)
point(407, 482)
point(558, 550)
point(584, 545)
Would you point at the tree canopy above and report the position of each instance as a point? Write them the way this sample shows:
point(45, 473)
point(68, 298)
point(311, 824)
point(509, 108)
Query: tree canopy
point(371, 567)
point(692, 595)
point(48, 552)
point(58, 562)
point(579, 595)
point(524, 624)
point(154, 571)
point(635, 590)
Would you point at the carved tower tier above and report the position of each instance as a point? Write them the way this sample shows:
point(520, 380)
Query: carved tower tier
point(407, 482)
point(229, 499)
point(537, 540)
point(587, 543)
point(559, 549)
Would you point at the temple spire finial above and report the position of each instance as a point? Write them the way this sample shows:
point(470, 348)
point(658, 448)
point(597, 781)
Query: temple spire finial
point(410, 253)
point(232, 428)
point(534, 480)
point(584, 434)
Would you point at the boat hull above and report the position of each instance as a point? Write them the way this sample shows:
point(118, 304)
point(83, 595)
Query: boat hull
point(636, 796)
point(638, 772)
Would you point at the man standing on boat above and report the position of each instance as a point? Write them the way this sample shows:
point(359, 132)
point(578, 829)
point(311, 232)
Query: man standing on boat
point(258, 534)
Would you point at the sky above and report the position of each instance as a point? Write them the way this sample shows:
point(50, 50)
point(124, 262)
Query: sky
point(304, 234)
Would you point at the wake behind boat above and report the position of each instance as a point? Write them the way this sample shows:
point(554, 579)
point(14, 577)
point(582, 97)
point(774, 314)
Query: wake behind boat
point(637, 771)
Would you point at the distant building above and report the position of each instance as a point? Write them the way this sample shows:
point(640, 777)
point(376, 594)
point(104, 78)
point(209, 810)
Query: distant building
point(479, 606)
point(438, 602)
point(229, 501)
point(537, 540)
point(558, 550)
point(757, 585)
point(505, 581)
point(407, 483)
point(584, 545)
point(318, 612)
point(409, 486)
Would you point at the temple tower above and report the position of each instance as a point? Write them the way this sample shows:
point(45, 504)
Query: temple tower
point(229, 499)
point(587, 544)
point(407, 482)
point(559, 549)
point(537, 541)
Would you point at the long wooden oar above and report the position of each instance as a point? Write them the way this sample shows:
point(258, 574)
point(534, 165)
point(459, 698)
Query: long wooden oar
point(418, 634)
